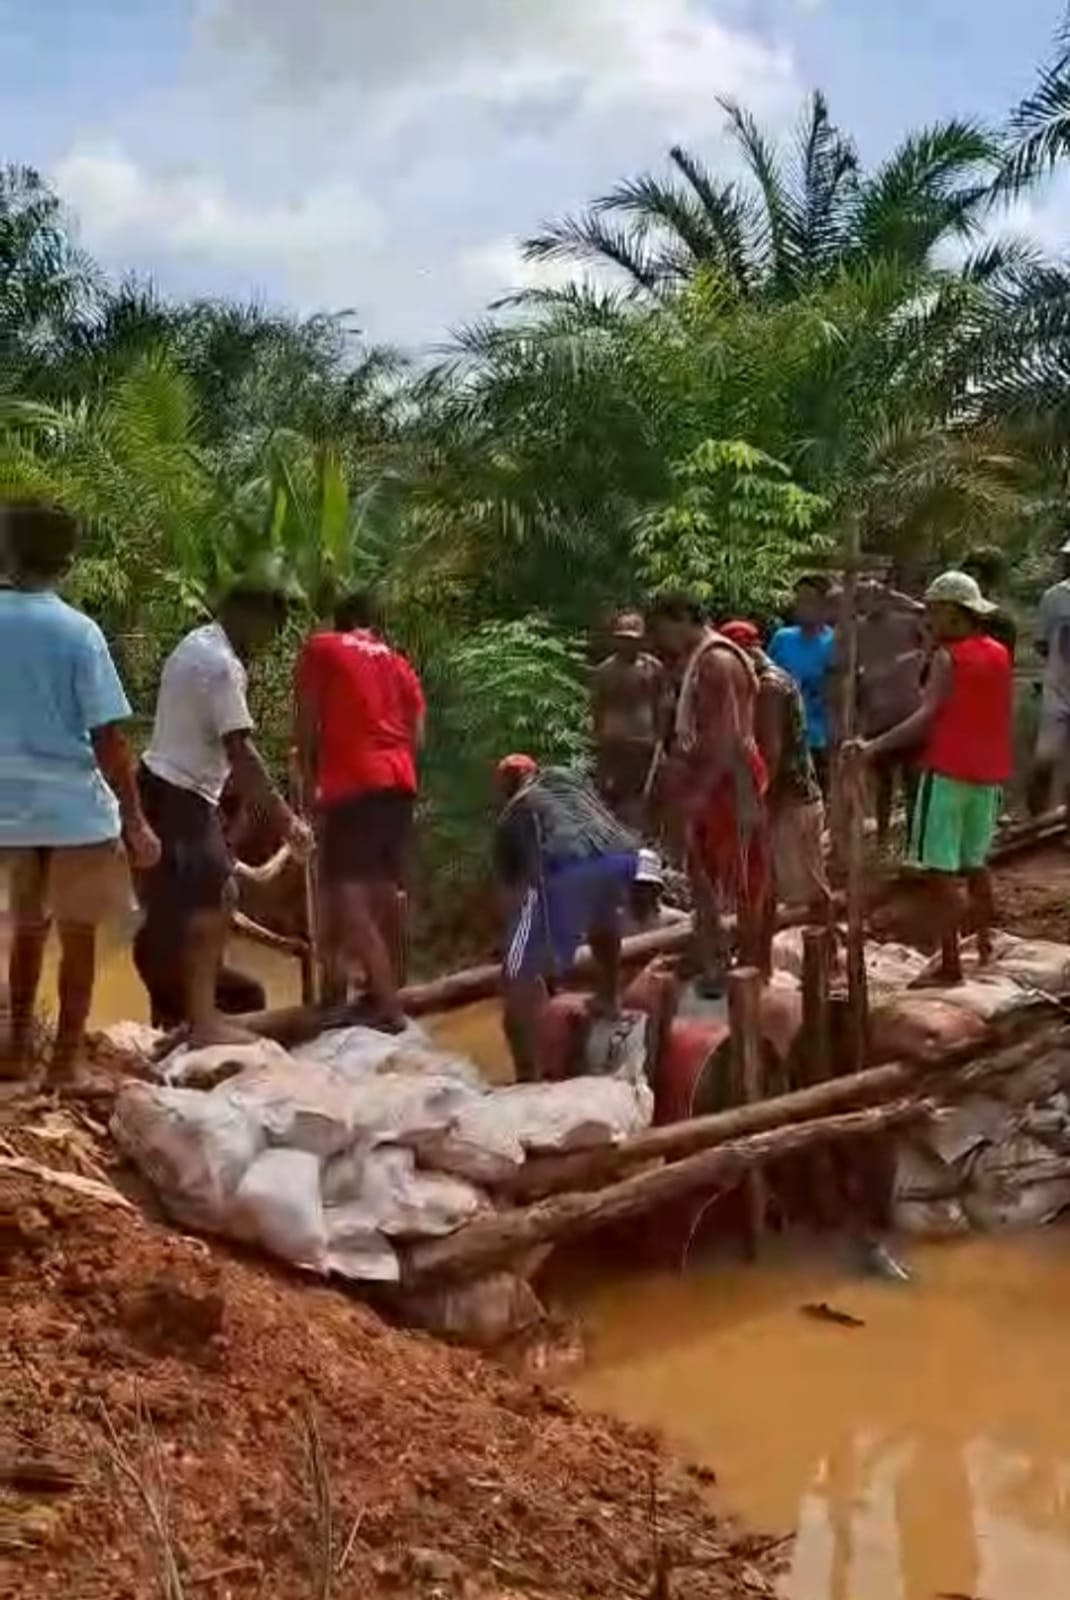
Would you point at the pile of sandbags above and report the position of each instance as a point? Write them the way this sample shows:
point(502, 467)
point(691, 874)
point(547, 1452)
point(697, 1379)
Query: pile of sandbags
point(333, 1156)
point(985, 1164)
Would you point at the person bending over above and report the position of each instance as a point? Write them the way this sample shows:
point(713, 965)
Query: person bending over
point(201, 736)
point(67, 791)
point(964, 723)
point(565, 866)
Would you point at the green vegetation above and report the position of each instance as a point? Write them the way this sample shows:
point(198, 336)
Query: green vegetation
point(739, 368)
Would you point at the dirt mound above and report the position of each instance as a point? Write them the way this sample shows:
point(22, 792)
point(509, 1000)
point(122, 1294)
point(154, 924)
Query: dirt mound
point(291, 1443)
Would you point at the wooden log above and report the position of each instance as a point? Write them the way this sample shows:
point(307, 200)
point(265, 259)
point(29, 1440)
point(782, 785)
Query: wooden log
point(816, 1032)
point(545, 1175)
point(746, 1077)
point(489, 1242)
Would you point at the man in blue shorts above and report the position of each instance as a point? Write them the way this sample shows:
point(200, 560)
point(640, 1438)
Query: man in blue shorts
point(566, 866)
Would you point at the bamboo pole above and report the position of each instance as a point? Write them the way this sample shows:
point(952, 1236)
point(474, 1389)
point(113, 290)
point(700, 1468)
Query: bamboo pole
point(852, 811)
point(488, 1242)
point(816, 1034)
point(744, 987)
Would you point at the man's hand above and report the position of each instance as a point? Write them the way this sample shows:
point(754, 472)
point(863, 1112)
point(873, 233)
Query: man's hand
point(142, 845)
point(856, 752)
point(299, 837)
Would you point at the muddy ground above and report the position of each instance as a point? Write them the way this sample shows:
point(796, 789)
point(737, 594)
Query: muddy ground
point(170, 1400)
point(1032, 900)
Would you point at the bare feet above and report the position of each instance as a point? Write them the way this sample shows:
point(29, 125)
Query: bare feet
point(218, 1031)
point(937, 980)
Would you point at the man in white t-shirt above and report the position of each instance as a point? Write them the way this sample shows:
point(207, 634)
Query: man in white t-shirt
point(202, 736)
point(1053, 646)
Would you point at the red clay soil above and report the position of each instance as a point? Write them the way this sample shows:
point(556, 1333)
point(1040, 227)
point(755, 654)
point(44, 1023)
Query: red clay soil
point(1032, 901)
point(443, 1475)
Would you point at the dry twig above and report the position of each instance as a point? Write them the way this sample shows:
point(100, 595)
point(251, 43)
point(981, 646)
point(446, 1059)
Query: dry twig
point(143, 1474)
point(320, 1477)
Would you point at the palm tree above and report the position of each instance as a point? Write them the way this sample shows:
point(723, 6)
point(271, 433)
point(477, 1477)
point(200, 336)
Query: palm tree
point(793, 220)
point(44, 279)
point(1039, 126)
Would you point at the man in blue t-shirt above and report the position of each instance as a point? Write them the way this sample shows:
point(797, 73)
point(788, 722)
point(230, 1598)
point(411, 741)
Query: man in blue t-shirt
point(67, 787)
point(806, 651)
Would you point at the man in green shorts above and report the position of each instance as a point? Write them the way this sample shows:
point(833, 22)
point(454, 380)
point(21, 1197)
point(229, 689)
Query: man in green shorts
point(964, 729)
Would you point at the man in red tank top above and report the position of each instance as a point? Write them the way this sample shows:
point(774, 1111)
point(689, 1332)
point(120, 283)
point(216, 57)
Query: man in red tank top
point(964, 728)
point(360, 717)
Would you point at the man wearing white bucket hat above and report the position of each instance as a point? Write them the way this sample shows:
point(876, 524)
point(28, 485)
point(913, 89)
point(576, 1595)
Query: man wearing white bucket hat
point(1053, 646)
point(963, 727)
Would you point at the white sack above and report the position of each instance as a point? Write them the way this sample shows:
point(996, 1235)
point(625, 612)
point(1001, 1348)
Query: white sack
point(193, 1147)
point(405, 1203)
point(278, 1205)
point(355, 1246)
point(1019, 1183)
point(578, 1114)
point(212, 1062)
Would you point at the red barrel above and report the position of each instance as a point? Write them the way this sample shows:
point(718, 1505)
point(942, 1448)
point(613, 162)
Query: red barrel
point(684, 1065)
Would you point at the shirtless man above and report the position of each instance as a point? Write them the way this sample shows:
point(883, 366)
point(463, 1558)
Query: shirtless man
point(891, 655)
point(717, 781)
point(627, 698)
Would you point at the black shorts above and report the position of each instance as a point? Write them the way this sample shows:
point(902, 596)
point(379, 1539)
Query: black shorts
point(195, 864)
point(367, 838)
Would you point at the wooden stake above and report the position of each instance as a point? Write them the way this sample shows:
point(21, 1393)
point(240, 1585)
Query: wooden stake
point(744, 1016)
point(816, 1034)
point(852, 811)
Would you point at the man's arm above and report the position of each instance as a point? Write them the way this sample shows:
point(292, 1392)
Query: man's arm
point(103, 706)
point(115, 759)
point(415, 703)
point(769, 728)
point(253, 782)
point(911, 729)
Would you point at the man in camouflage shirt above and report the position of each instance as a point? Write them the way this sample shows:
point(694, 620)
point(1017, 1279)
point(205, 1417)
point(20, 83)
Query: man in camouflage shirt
point(565, 866)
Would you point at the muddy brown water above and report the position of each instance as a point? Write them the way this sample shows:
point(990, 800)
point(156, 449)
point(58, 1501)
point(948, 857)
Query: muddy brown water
point(925, 1454)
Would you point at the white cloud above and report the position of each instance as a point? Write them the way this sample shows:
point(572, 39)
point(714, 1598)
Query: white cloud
point(410, 141)
point(311, 241)
point(665, 56)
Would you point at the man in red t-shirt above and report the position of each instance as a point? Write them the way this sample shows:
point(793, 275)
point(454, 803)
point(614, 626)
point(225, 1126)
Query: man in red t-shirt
point(360, 721)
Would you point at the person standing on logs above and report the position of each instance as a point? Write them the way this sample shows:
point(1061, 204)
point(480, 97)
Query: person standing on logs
point(964, 725)
point(1052, 757)
point(806, 651)
point(891, 658)
point(201, 736)
point(360, 725)
point(628, 694)
point(716, 781)
point(565, 866)
point(68, 795)
point(796, 808)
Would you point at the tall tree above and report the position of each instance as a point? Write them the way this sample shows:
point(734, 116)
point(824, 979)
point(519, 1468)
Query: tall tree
point(796, 217)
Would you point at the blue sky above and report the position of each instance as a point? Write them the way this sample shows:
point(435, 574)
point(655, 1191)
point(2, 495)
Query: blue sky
point(386, 155)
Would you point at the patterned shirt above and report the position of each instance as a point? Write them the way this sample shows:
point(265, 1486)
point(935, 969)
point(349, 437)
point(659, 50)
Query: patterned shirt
point(556, 819)
point(795, 781)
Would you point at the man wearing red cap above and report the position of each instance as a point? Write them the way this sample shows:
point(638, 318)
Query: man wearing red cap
point(796, 809)
point(627, 697)
point(565, 865)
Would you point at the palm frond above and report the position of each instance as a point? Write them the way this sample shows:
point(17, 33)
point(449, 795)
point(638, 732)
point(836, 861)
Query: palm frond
point(776, 241)
point(1039, 126)
point(588, 239)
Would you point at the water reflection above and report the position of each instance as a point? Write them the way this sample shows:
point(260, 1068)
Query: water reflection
point(926, 1454)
